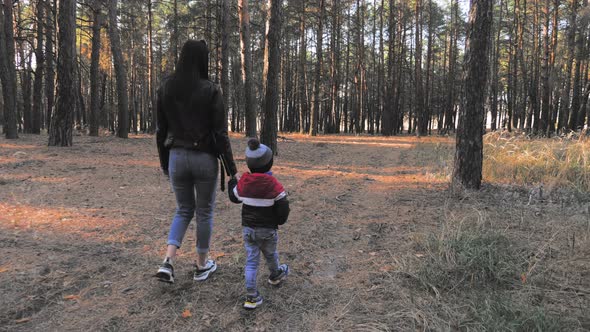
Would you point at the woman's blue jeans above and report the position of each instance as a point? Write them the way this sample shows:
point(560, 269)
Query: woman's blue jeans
point(193, 173)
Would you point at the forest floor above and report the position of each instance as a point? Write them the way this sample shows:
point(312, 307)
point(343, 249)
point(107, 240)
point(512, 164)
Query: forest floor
point(375, 242)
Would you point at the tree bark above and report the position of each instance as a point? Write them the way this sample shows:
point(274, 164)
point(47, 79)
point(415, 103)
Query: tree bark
point(399, 92)
point(120, 72)
point(301, 82)
point(552, 122)
point(174, 38)
point(495, 73)
point(575, 116)
point(315, 111)
point(60, 131)
point(151, 73)
point(381, 70)
point(358, 114)
point(334, 65)
point(451, 76)
point(419, 84)
point(570, 51)
point(469, 147)
point(268, 134)
point(389, 118)
point(546, 97)
point(8, 72)
point(244, 18)
point(94, 74)
point(225, 26)
point(26, 91)
point(40, 59)
point(429, 59)
point(49, 68)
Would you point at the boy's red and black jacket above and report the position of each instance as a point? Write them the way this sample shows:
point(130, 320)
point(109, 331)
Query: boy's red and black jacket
point(264, 199)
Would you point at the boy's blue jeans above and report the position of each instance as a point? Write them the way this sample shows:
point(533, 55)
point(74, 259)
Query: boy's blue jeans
point(258, 240)
point(193, 172)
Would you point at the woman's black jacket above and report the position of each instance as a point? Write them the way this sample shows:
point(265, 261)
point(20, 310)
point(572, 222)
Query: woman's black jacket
point(199, 122)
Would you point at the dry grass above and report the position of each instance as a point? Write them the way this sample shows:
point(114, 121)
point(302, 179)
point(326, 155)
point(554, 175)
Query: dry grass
point(516, 159)
point(469, 256)
point(552, 162)
point(496, 266)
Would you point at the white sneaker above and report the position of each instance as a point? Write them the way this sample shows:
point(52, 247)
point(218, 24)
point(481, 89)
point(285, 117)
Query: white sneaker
point(203, 274)
point(165, 273)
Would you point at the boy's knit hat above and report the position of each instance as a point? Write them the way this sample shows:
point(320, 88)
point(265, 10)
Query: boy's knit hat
point(257, 155)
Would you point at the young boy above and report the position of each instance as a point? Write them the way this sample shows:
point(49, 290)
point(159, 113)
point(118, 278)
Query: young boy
point(265, 206)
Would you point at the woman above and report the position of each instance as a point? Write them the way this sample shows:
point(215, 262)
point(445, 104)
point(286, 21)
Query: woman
point(191, 133)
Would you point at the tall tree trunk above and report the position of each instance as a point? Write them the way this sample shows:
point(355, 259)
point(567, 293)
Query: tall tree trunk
point(429, 59)
point(26, 71)
point(60, 131)
point(268, 134)
point(381, 71)
point(315, 111)
point(347, 89)
point(518, 89)
point(80, 107)
point(244, 18)
point(360, 71)
point(8, 72)
point(511, 86)
point(389, 120)
point(174, 38)
point(571, 46)
point(533, 118)
point(451, 77)
point(334, 64)
point(495, 72)
point(237, 96)
point(301, 82)
point(372, 91)
point(94, 74)
point(133, 102)
point(556, 95)
point(524, 79)
point(419, 84)
point(546, 97)
point(40, 59)
point(583, 57)
point(469, 148)
point(399, 93)
point(120, 72)
point(50, 55)
point(151, 73)
point(225, 26)
point(575, 115)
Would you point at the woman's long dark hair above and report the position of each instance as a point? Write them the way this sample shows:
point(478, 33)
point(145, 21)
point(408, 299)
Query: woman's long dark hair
point(192, 66)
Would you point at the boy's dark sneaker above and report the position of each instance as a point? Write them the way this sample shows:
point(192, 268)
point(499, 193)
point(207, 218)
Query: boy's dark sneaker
point(203, 274)
point(165, 273)
point(277, 277)
point(253, 301)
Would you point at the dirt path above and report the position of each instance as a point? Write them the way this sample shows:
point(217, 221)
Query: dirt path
point(83, 229)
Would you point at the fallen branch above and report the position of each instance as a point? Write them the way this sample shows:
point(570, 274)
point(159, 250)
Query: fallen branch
point(285, 139)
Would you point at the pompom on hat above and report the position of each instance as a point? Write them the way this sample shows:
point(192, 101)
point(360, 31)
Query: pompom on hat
point(258, 155)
